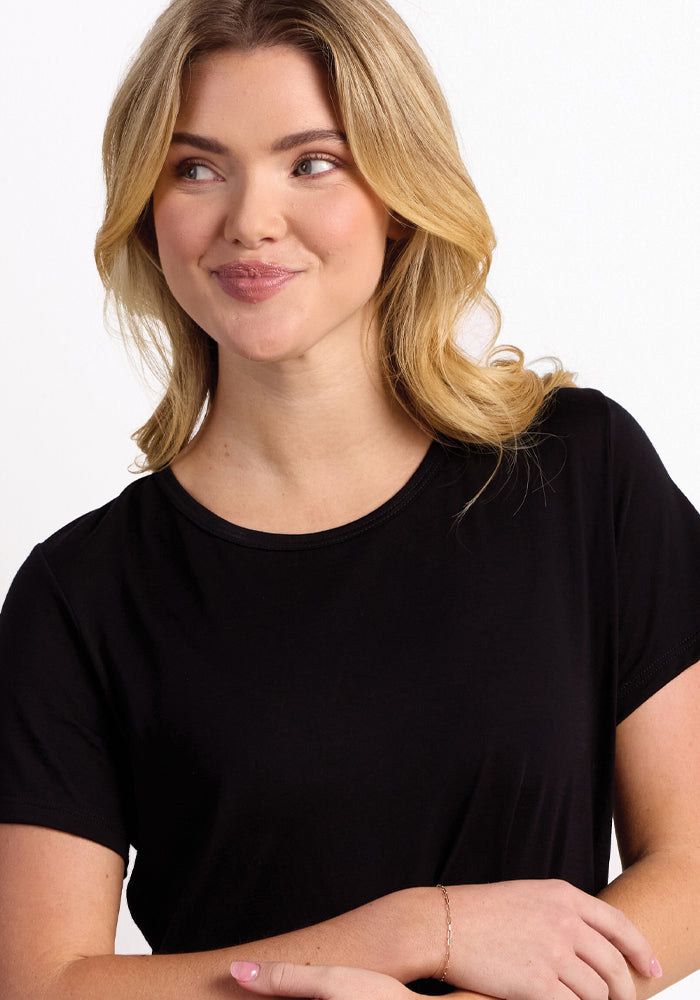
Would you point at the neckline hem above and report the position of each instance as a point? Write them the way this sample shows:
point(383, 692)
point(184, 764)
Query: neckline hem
point(253, 538)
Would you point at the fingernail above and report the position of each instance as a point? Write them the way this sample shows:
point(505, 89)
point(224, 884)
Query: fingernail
point(656, 969)
point(245, 972)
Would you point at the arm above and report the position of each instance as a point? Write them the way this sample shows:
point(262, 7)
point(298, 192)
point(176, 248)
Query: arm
point(658, 825)
point(59, 895)
point(59, 900)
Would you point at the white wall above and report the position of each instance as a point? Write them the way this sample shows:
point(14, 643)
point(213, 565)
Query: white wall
point(579, 124)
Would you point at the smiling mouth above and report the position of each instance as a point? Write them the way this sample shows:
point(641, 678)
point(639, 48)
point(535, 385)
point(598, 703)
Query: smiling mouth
point(253, 281)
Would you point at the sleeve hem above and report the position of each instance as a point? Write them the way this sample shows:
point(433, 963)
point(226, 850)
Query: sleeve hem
point(657, 674)
point(76, 823)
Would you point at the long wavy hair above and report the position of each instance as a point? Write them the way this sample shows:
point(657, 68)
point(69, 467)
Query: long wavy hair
point(401, 136)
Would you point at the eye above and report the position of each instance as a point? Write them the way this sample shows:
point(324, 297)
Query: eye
point(311, 166)
point(191, 170)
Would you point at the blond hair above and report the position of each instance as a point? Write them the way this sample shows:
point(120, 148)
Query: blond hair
point(401, 136)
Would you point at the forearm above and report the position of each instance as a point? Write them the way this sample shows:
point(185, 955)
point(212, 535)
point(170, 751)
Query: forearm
point(660, 893)
point(394, 935)
point(390, 935)
point(204, 976)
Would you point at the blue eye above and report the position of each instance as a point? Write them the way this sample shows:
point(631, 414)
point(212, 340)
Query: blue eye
point(312, 165)
point(193, 171)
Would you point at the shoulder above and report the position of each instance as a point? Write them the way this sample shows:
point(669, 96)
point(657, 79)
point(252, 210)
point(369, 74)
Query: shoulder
point(94, 546)
point(107, 523)
point(595, 431)
point(587, 414)
point(601, 450)
point(584, 451)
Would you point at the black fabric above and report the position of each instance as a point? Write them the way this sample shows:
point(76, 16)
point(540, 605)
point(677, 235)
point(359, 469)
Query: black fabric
point(288, 726)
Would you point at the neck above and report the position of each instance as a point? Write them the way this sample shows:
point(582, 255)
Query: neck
point(300, 446)
point(293, 415)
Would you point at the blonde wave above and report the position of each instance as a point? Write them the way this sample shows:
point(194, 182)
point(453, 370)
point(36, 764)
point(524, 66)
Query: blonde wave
point(396, 120)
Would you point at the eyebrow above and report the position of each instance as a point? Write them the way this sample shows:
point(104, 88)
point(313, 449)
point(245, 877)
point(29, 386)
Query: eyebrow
point(304, 138)
point(282, 145)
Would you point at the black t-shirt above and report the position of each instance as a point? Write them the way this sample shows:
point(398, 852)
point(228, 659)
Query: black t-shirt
point(287, 726)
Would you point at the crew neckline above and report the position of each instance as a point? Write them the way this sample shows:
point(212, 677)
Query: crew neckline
point(252, 538)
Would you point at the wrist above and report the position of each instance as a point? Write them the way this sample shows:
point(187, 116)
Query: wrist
point(422, 933)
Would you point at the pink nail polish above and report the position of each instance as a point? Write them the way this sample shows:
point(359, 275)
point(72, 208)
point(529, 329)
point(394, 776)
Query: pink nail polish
point(656, 969)
point(245, 972)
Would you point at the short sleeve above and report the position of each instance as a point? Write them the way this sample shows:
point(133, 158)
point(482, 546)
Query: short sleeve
point(60, 745)
point(657, 537)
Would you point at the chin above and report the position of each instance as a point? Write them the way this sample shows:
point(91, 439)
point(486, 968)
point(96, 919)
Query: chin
point(267, 351)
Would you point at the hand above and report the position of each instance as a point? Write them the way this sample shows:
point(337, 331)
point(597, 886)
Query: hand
point(320, 982)
point(531, 940)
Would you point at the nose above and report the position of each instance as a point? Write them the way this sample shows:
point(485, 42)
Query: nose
point(255, 212)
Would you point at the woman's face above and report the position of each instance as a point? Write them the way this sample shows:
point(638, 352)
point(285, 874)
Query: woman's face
point(268, 236)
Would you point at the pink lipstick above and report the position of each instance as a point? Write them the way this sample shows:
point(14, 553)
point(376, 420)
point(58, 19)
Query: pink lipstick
point(252, 281)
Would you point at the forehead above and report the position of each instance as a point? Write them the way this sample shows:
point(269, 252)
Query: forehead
point(266, 90)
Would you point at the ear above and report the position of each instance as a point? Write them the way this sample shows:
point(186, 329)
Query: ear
point(398, 227)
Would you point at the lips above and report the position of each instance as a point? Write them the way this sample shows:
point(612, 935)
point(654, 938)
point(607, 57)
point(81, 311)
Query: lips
point(253, 281)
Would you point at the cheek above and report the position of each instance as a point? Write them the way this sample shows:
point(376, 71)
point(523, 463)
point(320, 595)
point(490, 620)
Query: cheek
point(181, 235)
point(353, 230)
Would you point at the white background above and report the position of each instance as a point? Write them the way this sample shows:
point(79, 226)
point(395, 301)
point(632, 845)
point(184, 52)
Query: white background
point(579, 123)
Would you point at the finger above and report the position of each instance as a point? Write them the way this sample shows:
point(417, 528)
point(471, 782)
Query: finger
point(622, 933)
point(317, 982)
point(585, 981)
point(283, 979)
point(609, 963)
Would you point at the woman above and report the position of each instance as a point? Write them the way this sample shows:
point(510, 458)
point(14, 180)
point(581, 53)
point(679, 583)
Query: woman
point(381, 618)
